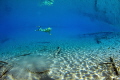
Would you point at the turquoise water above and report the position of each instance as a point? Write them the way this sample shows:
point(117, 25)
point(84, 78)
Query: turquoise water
point(77, 49)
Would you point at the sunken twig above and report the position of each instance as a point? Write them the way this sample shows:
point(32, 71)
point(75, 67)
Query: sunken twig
point(6, 71)
point(57, 52)
point(41, 72)
point(113, 66)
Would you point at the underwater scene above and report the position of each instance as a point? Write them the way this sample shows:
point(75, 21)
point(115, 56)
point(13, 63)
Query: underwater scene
point(59, 40)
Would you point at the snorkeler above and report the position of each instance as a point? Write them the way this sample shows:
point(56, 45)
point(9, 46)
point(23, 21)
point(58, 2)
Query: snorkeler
point(44, 30)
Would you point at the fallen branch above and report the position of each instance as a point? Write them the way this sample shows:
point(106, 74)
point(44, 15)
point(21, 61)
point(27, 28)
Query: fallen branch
point(6, 71)
point(42, 72)
point(113, 66)
point(57, 52)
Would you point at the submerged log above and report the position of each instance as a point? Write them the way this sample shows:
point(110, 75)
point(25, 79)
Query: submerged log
point(24, 55)
point(6, 68)
point(57, 52)
point(6, 71)
point(38, 72)
point(113, 66)
point(3, 62)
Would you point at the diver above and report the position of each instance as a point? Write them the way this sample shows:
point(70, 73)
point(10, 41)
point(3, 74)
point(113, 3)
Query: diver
point(48, 30)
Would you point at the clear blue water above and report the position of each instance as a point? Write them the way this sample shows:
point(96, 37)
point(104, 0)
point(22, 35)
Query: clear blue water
point(19, 20)
point(19, 16)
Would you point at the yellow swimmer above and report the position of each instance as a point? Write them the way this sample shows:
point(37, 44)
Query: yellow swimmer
point(48, 30)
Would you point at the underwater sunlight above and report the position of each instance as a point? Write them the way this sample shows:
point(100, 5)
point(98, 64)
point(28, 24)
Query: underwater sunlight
point(59, 40)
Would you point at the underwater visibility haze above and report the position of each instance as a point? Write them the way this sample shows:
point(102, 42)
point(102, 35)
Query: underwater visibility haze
point(59, 40)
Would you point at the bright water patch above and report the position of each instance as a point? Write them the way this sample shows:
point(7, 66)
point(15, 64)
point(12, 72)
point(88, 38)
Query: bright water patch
point(80, 58)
